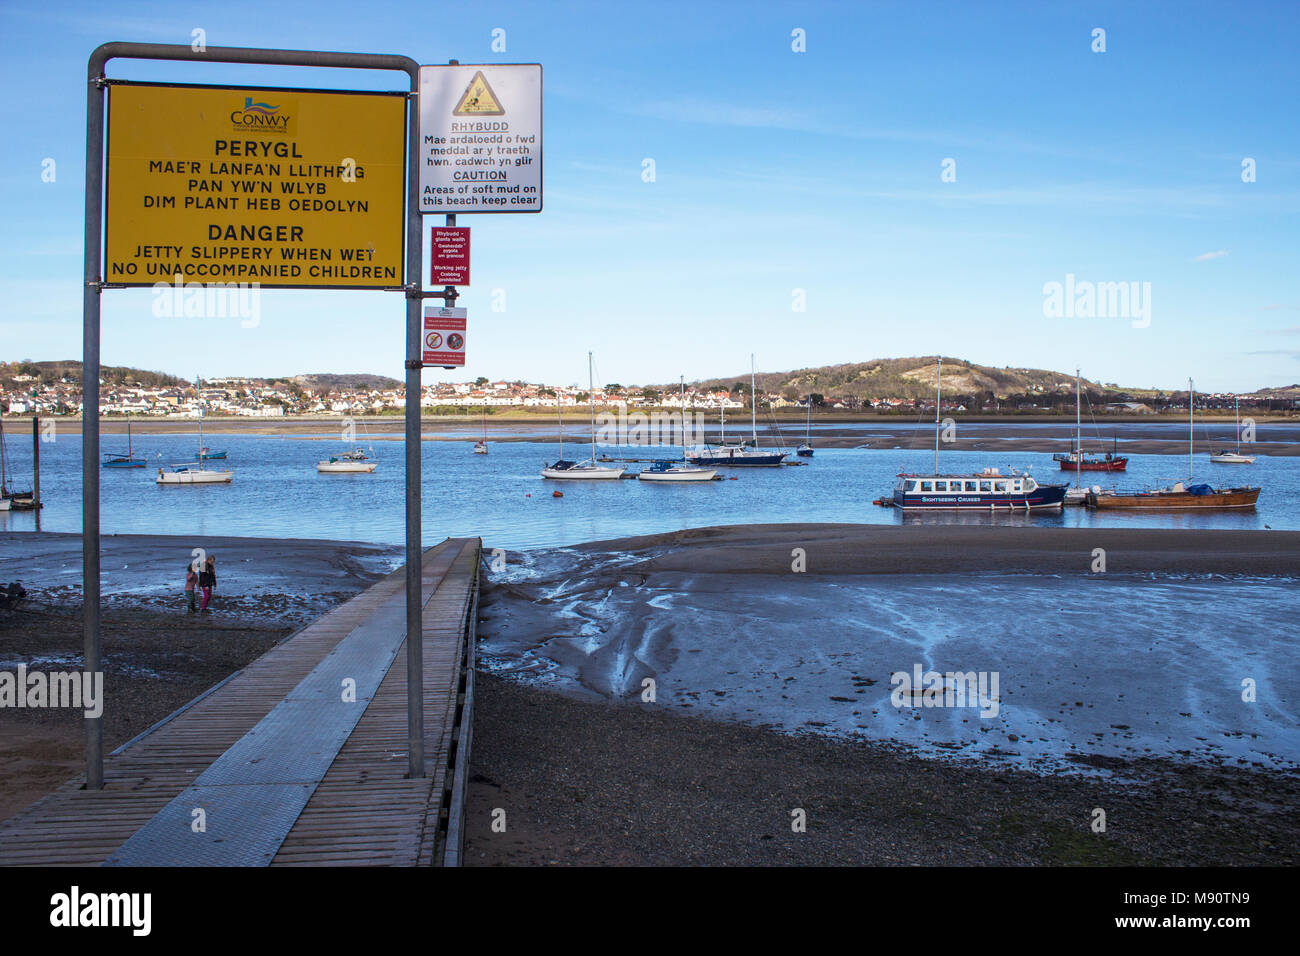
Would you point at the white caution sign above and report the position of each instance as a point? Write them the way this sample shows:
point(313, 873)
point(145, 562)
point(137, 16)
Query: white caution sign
point(481, 138)
point(444, 337)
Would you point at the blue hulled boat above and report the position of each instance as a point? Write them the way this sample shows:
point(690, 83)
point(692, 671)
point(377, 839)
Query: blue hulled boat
point(987, 491)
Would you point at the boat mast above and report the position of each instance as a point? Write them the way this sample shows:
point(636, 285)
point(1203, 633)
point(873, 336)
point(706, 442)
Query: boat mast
point(1191, 437)
point(1078, 435)
point(1236, 418)
point(591, 400)
point(683, 381)
point(753, 402)
point(938, 391)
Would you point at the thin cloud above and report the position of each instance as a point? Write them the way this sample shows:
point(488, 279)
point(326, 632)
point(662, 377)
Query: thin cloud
point(1206, 256)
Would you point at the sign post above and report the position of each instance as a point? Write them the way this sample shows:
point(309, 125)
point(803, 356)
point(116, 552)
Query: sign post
point(382, 250)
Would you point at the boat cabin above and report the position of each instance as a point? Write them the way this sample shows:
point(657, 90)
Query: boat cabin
point(966, 484)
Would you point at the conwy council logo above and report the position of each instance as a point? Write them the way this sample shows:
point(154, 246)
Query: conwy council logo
point(261, 117)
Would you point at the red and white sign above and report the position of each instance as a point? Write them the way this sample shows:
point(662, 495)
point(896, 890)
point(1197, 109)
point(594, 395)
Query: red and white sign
point(450, 255)
point(444, 337)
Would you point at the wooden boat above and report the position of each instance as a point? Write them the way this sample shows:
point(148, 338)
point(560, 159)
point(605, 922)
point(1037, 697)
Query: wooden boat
point(582, 470)
point(1178, 496)
point(1181, 496)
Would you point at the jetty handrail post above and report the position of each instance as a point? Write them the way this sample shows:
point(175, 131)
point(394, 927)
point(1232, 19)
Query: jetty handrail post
point(94, 284)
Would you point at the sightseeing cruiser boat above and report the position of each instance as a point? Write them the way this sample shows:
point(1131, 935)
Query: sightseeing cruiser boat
point(990, 490)
point(1234, 457)
point(1077, 461)
point(1180, 496)
point(193, 473)
point(588, 470)
point(738, 453)
point(667, 470)
point(124, 461)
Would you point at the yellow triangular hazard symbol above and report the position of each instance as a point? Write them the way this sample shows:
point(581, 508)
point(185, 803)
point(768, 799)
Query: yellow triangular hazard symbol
point(478, 99)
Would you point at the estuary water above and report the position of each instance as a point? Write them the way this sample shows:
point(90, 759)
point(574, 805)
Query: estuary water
point(501, 496)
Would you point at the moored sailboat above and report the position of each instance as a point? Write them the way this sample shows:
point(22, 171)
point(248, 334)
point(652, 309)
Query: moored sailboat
point(124, 461)
point(1230, 457)
point(669, 470)
point(806, 449)
point(1076, 460)
point(1180, 496)
point(739, 453)
point(193, 473)
point(588, 470)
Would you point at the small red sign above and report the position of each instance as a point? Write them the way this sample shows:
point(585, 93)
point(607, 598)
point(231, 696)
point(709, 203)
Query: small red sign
point(450, 255)
point(444, 337)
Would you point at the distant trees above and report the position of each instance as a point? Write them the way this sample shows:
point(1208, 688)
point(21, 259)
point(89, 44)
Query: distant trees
point(650, 394)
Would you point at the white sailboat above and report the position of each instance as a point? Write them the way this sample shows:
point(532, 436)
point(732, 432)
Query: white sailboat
point(587, 470)
point(354, 461)
point(667, 470)
point(193, 473)
point(480, 447)
point(1231, 457)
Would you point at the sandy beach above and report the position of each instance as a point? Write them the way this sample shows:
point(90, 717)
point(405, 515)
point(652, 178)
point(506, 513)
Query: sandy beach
point(157, 657)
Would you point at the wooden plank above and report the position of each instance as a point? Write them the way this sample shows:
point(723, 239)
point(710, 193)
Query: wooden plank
point(364, 810)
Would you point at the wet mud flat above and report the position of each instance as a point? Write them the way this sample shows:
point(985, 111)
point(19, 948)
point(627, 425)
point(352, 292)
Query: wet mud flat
point(793, 671)
point(598, 783)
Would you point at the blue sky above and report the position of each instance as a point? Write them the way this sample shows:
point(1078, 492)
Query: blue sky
point(775, 171)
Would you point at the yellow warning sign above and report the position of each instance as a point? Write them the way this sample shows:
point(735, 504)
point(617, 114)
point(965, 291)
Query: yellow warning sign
point(478, 99)
point(283, 188)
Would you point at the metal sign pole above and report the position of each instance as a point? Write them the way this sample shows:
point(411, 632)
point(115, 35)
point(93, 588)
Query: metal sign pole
point(90, 408)
point(90, 357)
point(414, 557)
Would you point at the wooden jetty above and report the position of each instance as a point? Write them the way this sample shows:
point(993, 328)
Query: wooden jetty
point(286, 771)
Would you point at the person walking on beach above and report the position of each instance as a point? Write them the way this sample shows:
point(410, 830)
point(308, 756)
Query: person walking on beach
point(208, 581)
point(191, 582)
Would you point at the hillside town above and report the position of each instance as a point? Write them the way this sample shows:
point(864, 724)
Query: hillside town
point(30, 389)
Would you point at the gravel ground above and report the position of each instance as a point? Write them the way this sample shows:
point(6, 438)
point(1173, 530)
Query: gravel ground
point(592, 783)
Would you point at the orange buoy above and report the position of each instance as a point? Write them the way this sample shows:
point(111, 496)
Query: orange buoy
point(557, 494)
point(732, 478)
